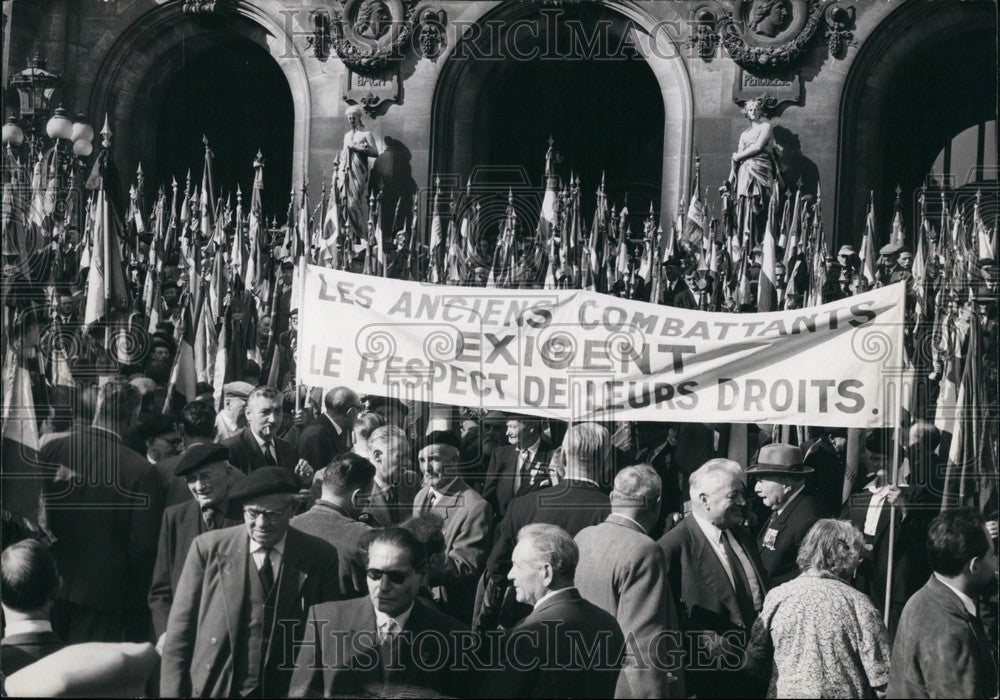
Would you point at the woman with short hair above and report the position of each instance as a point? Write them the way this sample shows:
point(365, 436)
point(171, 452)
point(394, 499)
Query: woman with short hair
point(816, 635)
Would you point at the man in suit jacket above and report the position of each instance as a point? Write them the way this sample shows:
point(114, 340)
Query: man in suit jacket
point(717, 580)
point(675, 290)
point(941, 648)
point(575, 503)
point(329, 434)
point(104, 508)
point(243, 596)
point(209, 477)
point(334, 518)
point(519, 467)
point(258, 444)
point(396, 486)
point(30, 584)
point(468, 524)
point(623, 571)
point(826, 483)
point(370, 646)
point(780, 484)
point(871, 510)
point(542, 655)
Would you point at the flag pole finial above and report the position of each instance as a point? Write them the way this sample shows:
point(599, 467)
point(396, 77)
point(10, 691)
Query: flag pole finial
point(106, 132)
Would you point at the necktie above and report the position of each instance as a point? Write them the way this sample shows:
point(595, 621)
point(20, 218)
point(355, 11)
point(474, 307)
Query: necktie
point(429, 503)
point(208, 516)
point(266, 571)
point(390, 495)
point(269, 460)
point(389, 630)
point(744, 599)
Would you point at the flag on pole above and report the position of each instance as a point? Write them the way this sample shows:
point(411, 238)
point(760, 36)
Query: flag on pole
point(767, 288)
point(182, 386)
point(867, 254)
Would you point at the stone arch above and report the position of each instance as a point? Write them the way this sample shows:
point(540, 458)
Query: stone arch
point(459, 83)
point(138, 60)
point(915, 33)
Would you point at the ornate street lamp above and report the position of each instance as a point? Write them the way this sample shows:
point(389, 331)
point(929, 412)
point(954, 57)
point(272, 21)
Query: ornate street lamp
point(35, 86)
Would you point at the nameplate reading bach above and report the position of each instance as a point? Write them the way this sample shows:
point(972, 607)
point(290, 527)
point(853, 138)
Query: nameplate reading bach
point(578, 355)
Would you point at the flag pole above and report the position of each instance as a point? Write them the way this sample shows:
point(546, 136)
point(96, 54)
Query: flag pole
point(298, 345)
point(892, 527)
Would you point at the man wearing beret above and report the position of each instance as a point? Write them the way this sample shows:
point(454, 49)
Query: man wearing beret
point(208, 474)
point(780, 484)
point(161, 437)
point(242, 597)
point(468, 522)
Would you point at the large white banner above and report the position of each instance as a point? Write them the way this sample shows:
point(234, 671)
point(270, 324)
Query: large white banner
point(577, 355)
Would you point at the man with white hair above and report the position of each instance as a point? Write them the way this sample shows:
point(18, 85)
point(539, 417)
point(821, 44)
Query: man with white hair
point(396, 485)
point(576, 502)
point(567, 647)
point(623, 571)
point(717, 580)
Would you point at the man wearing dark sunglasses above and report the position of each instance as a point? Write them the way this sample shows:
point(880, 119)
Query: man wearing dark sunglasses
point(388, 644)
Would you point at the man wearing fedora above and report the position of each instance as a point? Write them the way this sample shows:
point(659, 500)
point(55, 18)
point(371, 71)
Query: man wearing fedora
point(780, 478)
point(242, 597)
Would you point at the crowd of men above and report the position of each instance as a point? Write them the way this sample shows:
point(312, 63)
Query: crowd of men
point(353, 549)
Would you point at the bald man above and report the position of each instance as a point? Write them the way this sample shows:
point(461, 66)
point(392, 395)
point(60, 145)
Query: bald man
point(329, 434)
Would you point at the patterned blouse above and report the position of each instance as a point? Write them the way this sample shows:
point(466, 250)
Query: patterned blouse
point(825, 638)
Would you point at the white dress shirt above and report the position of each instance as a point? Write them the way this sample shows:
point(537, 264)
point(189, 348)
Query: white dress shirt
point(390, 626)
point(277, 555)
point(875, 508)
point(968, 603)
point(715, 535)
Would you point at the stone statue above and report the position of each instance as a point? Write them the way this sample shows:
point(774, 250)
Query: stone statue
point(359, 146)
point(769, 18)
point(755, 161)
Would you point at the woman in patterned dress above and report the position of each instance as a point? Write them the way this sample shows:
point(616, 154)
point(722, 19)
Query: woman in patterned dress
point(817, 636)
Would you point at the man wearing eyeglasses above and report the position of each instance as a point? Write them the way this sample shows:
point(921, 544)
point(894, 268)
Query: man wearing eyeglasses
point(387, 644)
point(243, 595)
point(208, 474)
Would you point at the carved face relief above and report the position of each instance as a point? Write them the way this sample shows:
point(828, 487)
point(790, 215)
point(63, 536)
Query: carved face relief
point(374, 20)
point(770, 17)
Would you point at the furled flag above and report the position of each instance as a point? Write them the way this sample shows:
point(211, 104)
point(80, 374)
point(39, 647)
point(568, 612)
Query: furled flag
point(767, 288)
point(867, 254)
point(182, 386)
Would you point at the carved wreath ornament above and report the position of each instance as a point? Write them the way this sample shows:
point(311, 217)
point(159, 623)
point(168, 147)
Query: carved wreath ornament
point(369, 35)
point(769, 34)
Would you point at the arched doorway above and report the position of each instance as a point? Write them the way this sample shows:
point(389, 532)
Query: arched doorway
point(206, 94)
point(162, 43)
point(927, 74)
point(613, 95)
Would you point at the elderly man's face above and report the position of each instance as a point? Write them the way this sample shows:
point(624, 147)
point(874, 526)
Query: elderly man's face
point(160, 354)
point(66, 306)
point(773, 493)
point(266, 517)
point(264, 416)
point(528, 573)
point(210, 483)
point(905, 261)
point(393, 583)
point(521, 434)
point(724, 501)
point(437, 462)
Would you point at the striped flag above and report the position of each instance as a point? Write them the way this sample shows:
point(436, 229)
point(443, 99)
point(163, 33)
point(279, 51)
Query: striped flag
point(767, 290)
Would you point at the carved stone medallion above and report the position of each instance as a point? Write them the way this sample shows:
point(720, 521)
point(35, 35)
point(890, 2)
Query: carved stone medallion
point(369, 35)
point(769, 34)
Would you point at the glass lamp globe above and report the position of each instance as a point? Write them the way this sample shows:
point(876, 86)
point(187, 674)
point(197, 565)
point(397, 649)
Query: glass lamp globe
point(82, 148)
point(12, 133)
point(59, 126)
point(81, 130)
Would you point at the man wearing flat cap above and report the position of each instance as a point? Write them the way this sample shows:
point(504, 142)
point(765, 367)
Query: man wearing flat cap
point(209, 477)
point(468, 522)
point(231, 420)
point(242, 597)
point(780, 477)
